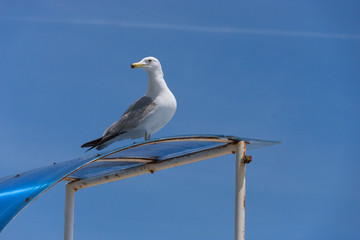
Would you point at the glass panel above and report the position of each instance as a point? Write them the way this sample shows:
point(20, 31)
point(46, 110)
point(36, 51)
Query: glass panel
point(164, 150)
point(156, 151)
point(18, 191)
point(255, 143)
point(99, 168)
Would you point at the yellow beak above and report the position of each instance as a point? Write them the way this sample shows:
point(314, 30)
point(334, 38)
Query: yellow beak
point(137, 65)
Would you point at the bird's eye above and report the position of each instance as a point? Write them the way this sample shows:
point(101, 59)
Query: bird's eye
point(149, 60)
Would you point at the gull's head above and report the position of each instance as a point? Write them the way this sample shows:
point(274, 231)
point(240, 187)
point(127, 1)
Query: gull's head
point(150, 64)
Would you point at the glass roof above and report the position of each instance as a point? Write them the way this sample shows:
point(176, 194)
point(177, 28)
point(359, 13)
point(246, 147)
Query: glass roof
point(164, 150)
point(150, 152)
point(19, 190)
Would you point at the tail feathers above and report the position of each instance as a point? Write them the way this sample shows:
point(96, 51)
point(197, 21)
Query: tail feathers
point(102, 145)
point(92, 143)
point(101, 142)
point(90, 148)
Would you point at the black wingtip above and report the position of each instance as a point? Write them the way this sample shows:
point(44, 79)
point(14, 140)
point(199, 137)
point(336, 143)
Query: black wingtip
point(92, 143)
point(90, 148)
point(98, 142)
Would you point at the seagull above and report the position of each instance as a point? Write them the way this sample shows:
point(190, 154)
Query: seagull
point(145, 116)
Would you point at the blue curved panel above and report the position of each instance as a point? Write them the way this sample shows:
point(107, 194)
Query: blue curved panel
point(16, 192)
point(99, 168)
point(160, 150)
point(165, 150)
point(156, 151)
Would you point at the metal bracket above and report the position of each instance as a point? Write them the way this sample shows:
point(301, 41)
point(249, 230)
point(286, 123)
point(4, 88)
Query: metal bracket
point(247, 159)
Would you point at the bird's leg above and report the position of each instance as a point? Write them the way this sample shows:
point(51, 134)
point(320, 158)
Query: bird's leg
point(147, 137)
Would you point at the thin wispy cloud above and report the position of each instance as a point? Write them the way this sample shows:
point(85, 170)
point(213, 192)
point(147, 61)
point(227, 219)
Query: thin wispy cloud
point(179, 27)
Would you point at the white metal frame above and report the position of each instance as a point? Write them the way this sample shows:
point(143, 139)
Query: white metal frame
point(239, 148)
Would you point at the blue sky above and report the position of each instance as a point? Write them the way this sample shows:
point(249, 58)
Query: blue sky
point(277, 70)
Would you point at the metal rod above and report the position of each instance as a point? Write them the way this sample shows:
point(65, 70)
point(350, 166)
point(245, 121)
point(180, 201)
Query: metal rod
point(240, 191)
point(155, 166)
point(141, 160)
point(69, 213)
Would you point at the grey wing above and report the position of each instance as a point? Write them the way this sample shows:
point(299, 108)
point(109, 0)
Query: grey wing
point(132, 117)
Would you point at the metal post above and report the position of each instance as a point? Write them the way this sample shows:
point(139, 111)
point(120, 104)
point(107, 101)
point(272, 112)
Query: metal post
point(69, 213)
point(240, 191)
